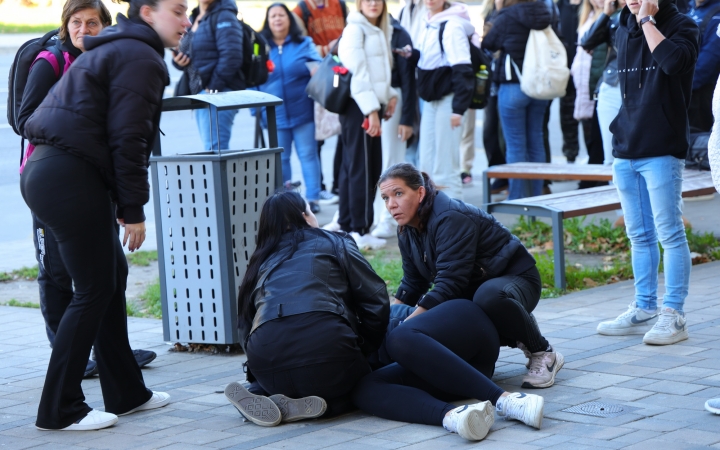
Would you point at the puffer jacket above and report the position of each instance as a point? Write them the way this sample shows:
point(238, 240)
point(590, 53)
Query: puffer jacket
point(364, 50)
point(447, 69)
point(326, 273)
point(510, 31)
point(714, 142)
point(106, 110)
point(603, 32)
point(288, 81)
point(460, 248)
point(218, 54)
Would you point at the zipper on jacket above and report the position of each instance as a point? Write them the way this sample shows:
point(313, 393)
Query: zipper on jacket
point(280, 49)
point(424, 256)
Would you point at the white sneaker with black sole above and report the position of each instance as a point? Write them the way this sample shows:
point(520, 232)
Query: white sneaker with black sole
point(633, 321)
point(671, 328)
point(472, 422)
point(328, 198)
point(527, 408)
point(95, 420)
point(158, 400)
point(255, 408)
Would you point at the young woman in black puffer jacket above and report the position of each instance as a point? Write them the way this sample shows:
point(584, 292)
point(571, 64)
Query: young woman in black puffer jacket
point(93, 134)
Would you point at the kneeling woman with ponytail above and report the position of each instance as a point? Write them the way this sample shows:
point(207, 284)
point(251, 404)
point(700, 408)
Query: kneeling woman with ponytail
point(92, 135)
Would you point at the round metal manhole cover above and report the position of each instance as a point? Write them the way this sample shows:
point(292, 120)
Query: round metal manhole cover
point(599, 409)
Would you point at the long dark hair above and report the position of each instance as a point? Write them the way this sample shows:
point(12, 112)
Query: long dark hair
point(295, 32)
point(414, 179)
point(135, 5)
point(281, 213)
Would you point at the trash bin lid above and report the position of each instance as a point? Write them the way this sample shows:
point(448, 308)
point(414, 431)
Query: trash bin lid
point(221, 100)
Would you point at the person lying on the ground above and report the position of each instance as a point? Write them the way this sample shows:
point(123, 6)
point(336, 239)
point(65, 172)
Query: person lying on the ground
point(466, 254)
point(310, 309)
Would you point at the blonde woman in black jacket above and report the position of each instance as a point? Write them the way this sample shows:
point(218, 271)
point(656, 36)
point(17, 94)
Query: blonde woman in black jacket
point(92, 135)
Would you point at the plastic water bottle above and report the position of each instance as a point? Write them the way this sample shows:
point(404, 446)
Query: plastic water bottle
point(481, 78)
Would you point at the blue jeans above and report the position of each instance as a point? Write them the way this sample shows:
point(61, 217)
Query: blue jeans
point(650, 192)
point(306, 147)
point(522, 119)
point(224, 128)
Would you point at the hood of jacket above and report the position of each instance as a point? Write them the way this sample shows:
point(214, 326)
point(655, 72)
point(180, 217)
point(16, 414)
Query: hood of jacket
point(458, 13)
point(127, 29)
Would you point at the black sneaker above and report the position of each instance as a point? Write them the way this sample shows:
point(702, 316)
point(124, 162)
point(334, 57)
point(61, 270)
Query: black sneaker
point(314, 207)
point(144, 357)
point(297, 409)
point(255, 408)
point(91, 369)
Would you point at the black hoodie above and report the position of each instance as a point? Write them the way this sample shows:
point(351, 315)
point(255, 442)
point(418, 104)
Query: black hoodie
point(106, 110)
point(655, 86)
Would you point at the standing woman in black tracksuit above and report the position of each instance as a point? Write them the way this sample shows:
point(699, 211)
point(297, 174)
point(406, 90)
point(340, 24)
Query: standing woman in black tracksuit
point(92, 135)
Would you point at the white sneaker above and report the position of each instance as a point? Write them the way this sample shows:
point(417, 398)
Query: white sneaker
point(526, 408)
point(368, 241)
point(470, 421)
point(669, 329)
point(334, 225)
point(385, 229)
point(158, 400)
point(95, 420)
point(633, 321)
point(328, 198)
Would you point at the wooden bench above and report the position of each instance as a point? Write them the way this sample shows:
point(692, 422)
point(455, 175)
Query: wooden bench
point(545, 171)
point(565, 205)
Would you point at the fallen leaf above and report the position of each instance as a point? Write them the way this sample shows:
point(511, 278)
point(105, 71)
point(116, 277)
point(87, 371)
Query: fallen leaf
point(589, 282)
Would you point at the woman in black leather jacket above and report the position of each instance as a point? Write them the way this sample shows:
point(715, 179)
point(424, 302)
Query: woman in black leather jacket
point(463, 252)
point(608, 92)
point(310, 308)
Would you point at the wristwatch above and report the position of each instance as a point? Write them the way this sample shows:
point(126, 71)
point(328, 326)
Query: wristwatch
point(647, 19)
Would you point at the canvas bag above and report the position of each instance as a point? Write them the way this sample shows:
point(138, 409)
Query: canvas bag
point(545, 73)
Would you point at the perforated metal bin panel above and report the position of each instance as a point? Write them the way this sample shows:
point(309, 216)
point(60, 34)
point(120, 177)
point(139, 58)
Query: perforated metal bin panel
point(207, 208)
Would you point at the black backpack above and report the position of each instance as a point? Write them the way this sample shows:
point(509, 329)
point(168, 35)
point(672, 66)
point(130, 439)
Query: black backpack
point(255, 52)
point(20, 69)
point(477, 58)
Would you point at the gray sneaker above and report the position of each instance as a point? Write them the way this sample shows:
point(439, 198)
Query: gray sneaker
point(298, 409)
point(669, 329)
point(542, 370)
point(255, 408)
point(632, 321)
point(713, 405)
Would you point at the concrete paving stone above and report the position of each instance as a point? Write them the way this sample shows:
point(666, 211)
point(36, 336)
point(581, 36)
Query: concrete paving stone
point(368, 425)
point(693, 436)
point(673, 387)
point(696, 415)
point(653, 424)
point(128, 442)
point(179, 446)
point(669, 350)
point(55, 446)
point(710, 425)
point(590, 431)
point(684, 373)
point(157, 422)
point(710, 392)
point(553, 440)
point(597, 342)
point(368, 442)
point(412, 433)
point(599, 443)
point(518, 435)
point(328, 437)
point(15, 372)
point(596, 381)
point(659, 444)
point(672, 401)
point(635, 436)
point(571, 333)
point(17, 443)
point(229, 442)
point(621, 369)
point(622, 394)
point(201, 437)
point(69, 437)
point(709, 381)
point(24, 409)
point(289, 444)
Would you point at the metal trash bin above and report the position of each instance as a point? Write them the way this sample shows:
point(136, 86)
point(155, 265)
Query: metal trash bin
point(207, 208)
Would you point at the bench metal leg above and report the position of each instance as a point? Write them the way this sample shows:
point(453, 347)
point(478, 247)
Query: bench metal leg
point(558, 249)
point(486, 189)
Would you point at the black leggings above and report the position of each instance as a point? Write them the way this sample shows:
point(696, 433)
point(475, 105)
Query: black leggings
point(445, 354)
point(509, 301)
point(68, 194)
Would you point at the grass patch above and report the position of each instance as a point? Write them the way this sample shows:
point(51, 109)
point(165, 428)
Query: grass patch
point(142, 257)
point(8, 28)
point(579, 278)
point(149, 303)
point(388, 267)
point(26, 273)
point(579, 237)
point(13, 302)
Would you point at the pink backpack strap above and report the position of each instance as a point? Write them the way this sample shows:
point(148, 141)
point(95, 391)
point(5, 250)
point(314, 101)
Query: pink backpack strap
point(50, 57)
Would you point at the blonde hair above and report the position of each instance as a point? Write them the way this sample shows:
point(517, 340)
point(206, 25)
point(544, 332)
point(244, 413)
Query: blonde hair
point(585, 10)
point(384, 22)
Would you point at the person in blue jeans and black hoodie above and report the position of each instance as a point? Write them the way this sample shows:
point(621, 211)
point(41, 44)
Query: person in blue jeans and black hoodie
point(657, 49)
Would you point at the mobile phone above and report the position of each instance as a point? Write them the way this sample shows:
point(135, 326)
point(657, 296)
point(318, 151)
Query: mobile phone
point(366, 124)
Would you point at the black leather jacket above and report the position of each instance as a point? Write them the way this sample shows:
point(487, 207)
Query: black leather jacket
point(603, 32)
point(461, 247)
point(326, 273)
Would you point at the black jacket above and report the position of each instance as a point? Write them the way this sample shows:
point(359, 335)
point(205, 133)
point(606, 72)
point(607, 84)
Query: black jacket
point(217, 54)
point(461, 247)
point(40, 80)
point(656, 87)
point(106, 110)
point(603, 32)
point(510, 31)
point(403, 73)
point(569, 18)
point(326, 273)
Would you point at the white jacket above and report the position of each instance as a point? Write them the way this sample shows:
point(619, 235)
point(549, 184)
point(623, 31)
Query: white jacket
point(714, 142)
point(364, 50)
point(455, 38)
point(414, 22)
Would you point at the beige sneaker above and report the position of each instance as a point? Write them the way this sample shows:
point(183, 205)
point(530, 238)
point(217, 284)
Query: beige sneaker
point(542, 369)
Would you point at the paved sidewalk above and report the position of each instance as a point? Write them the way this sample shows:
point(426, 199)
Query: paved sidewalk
point(661, 389)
